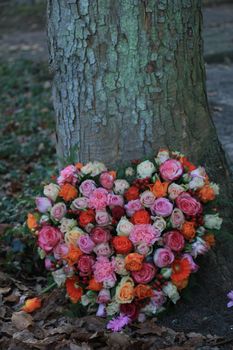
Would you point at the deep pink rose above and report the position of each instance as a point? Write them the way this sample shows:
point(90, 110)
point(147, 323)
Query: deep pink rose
point(58, 211)
point(104, 296)
point(104, 270)
point(103, 218)
point(85, 264)
point(98, 199)
point(174, 240)
point(87, 187)
point(49, 237)
point(100, 235)
point(60, 251)
point(171, 170)
point(132, 206)
point(162, 207)
point(102, 249)
point(145, 275)
point(106, 180)
point(114, 199)
point(68, 174)
point(188, 204)
point(163, 257)
point(43, 204)
point(85, 244)
point(144, 233)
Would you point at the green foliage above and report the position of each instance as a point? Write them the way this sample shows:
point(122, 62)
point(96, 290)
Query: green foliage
point(27, 155)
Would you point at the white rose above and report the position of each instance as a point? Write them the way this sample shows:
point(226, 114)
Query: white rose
point(93, 168)
point(171, 291)
point(166, 272)
point(198, 172)
point(195, 183)
point(87, 169)
point(159, 223)
point(175, 190)
point(113, 308)
point(212, 221)
point(150, 309)
point(124, 227)
point(72, 236)
point(51, 191)
point(120, 186)
point(162, 156)
point(145, 169)
point(215, 187)
point(129, 171)
point(67, 224)
point(59, 277)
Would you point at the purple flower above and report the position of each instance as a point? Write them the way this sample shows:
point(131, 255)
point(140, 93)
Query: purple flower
point(117, 323)
point(230, 296)
point(43, 204)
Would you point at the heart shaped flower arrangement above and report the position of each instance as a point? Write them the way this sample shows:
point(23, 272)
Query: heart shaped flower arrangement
point(123, 246)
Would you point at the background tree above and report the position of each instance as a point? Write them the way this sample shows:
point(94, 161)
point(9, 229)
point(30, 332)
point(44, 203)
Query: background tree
point(129, 78)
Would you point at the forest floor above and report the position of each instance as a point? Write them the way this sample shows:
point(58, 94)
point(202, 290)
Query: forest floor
point(27, 159)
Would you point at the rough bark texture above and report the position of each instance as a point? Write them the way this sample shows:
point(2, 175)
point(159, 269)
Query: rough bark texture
point(129, 78)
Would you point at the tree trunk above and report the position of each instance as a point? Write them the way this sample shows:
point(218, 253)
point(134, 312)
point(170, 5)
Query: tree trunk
point(129, 78)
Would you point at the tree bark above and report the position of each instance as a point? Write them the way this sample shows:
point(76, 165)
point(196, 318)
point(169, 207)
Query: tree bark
point(129, 78)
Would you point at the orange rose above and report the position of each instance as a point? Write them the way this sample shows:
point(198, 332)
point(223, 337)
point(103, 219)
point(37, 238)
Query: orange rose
point(113, 173)
point(132, 193)
point(125, 291)
point(79, 166)
point(74, 291)
point(68, 192)
point(143, 291)
point(186, 164)
point(73, 255)
point(32, 305)
point(206, 194)
point(209, 239)
point(133, 262)
point(181, 284)
point(31, 222)
point(188, 229)
point(141, 217)
point(86, 217)
point(94, 285)
point(159, 188)
point(122, 244)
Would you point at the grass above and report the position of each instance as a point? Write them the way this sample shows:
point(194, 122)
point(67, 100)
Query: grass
point(27, 128)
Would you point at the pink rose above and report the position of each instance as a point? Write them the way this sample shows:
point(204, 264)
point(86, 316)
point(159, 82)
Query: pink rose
point(87, 187)
point(144, 233)
point(163, 257)
point(85, 244)
point(79, 203)
point(132, 206)
point(147, 199)
point(58, 211)
point(98, 199)
point(171, 170)
point(143, 248)
point(106, 180)
point(68, 174)
point(174, 240)
point(103, 218)
point(174, 190)
point(85, 265)
point(115, 200)
point(189, 205)
point(177, 218)
point(100, 235)
point(49, 237)
point(60, 251)
point(104, 296)
point(43, 204)
point(102, 249)
point(145, 275)
point(104, 270)
point(158, 298)
point(162, 207)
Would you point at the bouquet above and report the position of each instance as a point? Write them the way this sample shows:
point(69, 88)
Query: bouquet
point(123, 246)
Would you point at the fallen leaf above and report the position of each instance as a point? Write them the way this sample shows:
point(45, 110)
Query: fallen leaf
point(5, 290)
point(21, 320)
